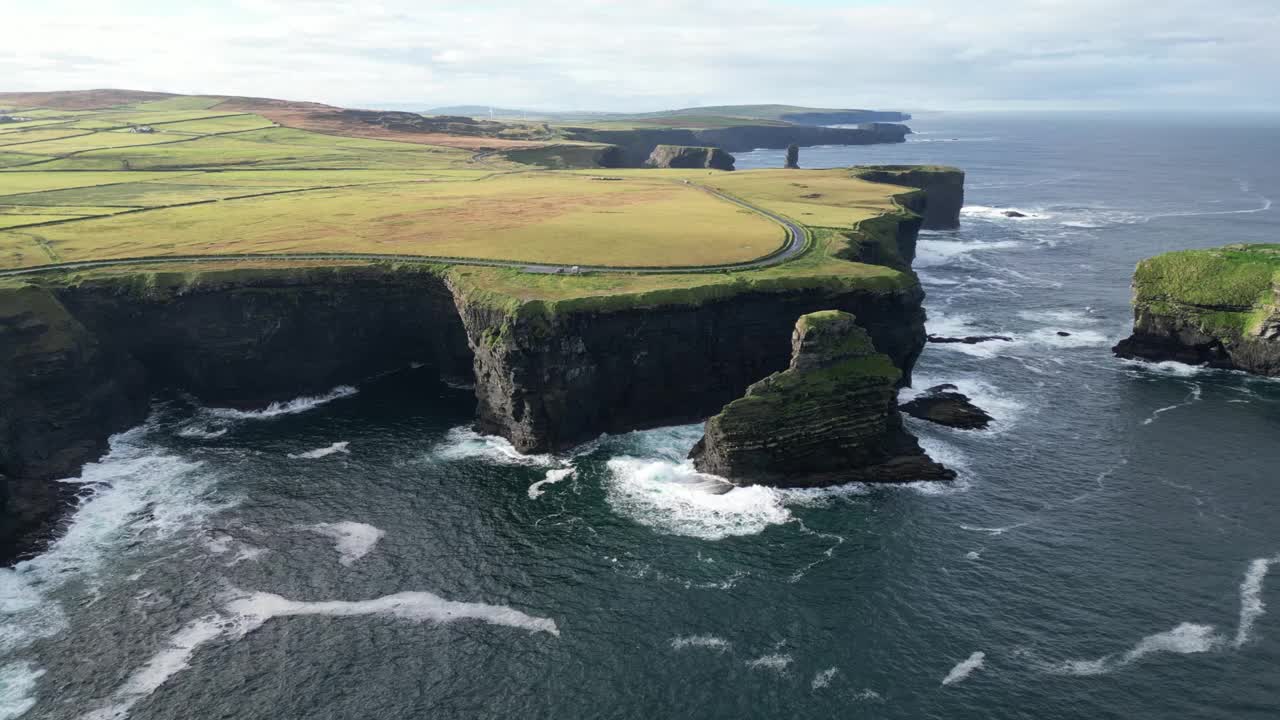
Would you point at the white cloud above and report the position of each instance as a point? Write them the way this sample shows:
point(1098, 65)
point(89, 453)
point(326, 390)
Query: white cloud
point(611, 54)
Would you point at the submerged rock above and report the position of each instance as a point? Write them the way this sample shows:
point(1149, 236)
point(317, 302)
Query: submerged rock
point(1013, 214)
point(1218, 307)
point(944, 405)
point(683, 156)
point(830, 418)
point(968, 339)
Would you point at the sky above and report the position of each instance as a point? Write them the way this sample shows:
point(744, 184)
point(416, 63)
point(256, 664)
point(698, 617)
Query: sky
point(639, 55)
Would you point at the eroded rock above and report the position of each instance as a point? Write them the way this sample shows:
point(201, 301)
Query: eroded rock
point(945, 405)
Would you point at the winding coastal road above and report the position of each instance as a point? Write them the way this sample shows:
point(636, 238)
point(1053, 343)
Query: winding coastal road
point(794, 246)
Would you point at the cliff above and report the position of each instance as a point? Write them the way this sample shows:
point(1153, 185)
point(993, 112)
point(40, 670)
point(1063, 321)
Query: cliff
point(681, 156)
point(829, 418)
point(556, 359)
point(943, 185)
point(61, 394)
point(638, 144)
point(1215, 307)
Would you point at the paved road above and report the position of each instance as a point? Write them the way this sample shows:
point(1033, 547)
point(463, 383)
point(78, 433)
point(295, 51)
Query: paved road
point(795, 245)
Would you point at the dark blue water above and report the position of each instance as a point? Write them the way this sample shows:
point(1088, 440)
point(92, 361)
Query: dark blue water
point(1107, 551)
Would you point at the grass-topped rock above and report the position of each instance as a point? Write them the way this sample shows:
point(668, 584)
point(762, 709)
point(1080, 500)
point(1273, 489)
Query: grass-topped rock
point(829, 418)
point(1215, 307)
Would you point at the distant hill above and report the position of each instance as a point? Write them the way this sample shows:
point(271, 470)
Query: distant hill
point(700, 116)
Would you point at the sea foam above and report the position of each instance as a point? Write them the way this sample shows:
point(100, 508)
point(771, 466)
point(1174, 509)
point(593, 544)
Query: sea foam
point(18, 688)
point(338, 447)
point(288, 407)
point(965, 668)
point(552, 477)
point(463, 443)
point(352, 540)
point(709, 642)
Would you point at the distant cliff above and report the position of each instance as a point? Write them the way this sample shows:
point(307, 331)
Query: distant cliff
point(636, 145)
point(1215, 307)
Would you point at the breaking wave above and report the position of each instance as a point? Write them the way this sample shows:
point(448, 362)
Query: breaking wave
point(710, 642)
point(338, 447)
point(777, 662)
point(463, 443)
point(248, 612)
point(288, 407)
point(823, 678)
point(553, 477)
point(965, 668)
point(17, 688)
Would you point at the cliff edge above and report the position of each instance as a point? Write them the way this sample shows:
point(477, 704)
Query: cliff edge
point(829, 418)
point(943, 185)
point(1215, 307)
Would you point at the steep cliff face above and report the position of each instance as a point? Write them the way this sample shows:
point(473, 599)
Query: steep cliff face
point(944, 187)
point(246, 338)
point(549, 381)
point(681, 156)
point(1215, 307)
point(830, 417)
point(61, 394)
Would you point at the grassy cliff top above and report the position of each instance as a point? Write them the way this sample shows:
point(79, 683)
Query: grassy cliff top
point(112, 175)
point(1226, 290)
point(1231, 277)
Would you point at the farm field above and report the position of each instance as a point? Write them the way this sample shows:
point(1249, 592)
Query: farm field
point(186, 176)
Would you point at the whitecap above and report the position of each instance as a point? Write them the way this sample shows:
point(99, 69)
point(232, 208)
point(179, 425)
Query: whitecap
point(1251, 605)
point(1050, 337)
point(674, 498)
point(709, 642)
point(823, 678)
point(930, 252)
point(973, 555)
point(553, 477)
point(1166, 367)
point(1185, 639)
point(18, 688)
point(288, 407)
point(248, 612)
point(202, 432)
point(338, 447)
point(1061, 316)
point(965, 668)
point(352, 540)
point(777, 662)
point(988, 212)
point(136, 495)
point(464, 443)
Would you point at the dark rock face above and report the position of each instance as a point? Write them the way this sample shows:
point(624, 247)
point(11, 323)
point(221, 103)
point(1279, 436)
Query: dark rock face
point(943, 405)
point(793, 156)
point(62, 392)
point(944, 187)
point(969, 339)
point(829, 418)
point(681, 156)
point(548, 383)
point(1179, 337)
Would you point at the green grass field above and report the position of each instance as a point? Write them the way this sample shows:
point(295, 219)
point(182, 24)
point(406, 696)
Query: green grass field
point(79, 185)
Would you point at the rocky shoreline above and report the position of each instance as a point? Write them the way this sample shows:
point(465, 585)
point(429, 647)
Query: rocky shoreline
point(81, 357)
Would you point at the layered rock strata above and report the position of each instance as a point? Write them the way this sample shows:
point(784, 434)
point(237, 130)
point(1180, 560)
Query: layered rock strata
point(829, 418)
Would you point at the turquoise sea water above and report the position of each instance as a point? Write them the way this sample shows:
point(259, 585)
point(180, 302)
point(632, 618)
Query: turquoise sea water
point(1109, 549)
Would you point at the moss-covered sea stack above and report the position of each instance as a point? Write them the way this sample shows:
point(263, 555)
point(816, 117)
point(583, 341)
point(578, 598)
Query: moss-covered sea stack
point(1215, 307)
point(830, 418)
point(944, 186)
point(683, 156)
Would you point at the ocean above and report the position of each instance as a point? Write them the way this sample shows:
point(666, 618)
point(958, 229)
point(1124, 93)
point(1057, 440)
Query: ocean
point(1109, 549)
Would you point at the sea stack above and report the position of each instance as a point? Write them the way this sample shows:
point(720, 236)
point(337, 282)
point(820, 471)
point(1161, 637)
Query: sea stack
point(1217, 306)
point(793, 157)
point(828, 419)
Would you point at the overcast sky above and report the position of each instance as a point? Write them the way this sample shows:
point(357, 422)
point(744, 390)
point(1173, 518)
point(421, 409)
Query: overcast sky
point(653, 54)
